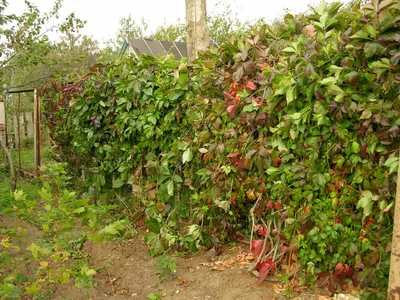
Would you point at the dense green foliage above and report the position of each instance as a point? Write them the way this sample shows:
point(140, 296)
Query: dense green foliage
point(295, 129)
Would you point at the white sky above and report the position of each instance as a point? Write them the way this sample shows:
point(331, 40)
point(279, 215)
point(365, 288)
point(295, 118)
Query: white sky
point(103, 16)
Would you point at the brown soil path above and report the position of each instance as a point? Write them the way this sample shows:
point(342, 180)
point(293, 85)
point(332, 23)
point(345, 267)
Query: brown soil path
point(128, 272)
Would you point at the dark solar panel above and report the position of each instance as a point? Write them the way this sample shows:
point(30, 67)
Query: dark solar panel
point(182, 48)
point(167, 45)
point(139, 46)
point(156, 47)
point(177, 49)
point(175, 52)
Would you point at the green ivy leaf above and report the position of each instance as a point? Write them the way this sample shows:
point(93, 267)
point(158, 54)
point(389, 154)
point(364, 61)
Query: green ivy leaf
point(187, 155)
point(33, 289)
point(313, 232)
point(366, 114)
point(289, 50)
point(366, 203)
point(176, 178)
point(117, 183)
point(249, 108)
point(392, 164)
point(355, 147)
point(291, 94)
point(170, 188)
point(328, 81)
point(153, 225)
point(158, 248)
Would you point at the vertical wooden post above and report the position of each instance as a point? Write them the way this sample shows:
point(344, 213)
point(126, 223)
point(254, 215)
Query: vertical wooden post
point(22, 130)
point(196, 28)
point(6, 121)
point(394, 275)
point(19, 130)
point(36, 136)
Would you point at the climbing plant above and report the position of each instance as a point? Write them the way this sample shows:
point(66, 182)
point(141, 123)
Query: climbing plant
point(290, 136)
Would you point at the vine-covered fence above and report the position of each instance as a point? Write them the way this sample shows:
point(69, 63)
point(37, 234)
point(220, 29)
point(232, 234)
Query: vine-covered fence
point(290, 136)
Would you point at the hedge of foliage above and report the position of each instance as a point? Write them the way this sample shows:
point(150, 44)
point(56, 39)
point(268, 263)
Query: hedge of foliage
point(291, 134)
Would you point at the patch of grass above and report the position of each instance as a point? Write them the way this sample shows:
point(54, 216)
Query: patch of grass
point(27, 185)
point(27, 159)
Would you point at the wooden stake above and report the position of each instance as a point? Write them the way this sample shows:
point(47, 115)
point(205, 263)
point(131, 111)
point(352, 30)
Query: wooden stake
point(394, 275)
point(36, 136)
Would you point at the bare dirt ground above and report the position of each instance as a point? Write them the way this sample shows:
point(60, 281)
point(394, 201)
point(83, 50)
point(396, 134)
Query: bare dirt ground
point(127, 271)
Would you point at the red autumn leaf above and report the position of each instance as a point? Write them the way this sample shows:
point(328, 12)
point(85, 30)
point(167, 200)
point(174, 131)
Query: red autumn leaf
point(251, 85)
point(307, 208)
point(369, 222)
point(256, 247)
point(264, 268)
point(208, 156)
point(269, 204)
point(160, 206)
point(343, 270)
point(282, 238)
point(284, 249)
point(227, 96)
point(231, 109)
point(257, 100)
point(261, 230)
point(338, 269)
point(338, 220)
point(151, 186)
point(263, 65)
point(140, 223)
point(138, 171)
point(233, 155)
point(320, 96)
point(348, 270)
point(277, 205)
point(277, 162)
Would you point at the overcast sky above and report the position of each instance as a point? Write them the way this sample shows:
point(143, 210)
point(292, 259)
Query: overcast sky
point(103, 16)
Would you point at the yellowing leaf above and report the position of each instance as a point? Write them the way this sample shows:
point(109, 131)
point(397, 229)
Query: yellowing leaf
point(309, 31)
point(250, 195)
point(187, 156)
point(33, 289)
point(203, 150)
point(43, 264)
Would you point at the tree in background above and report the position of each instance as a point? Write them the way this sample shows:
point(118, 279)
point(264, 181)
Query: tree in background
point(25, 48)
point(170, 32)
point(223, 25)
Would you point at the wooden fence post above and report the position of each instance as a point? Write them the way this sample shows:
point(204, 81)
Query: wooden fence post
point(36, 136)
point(394, 275)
